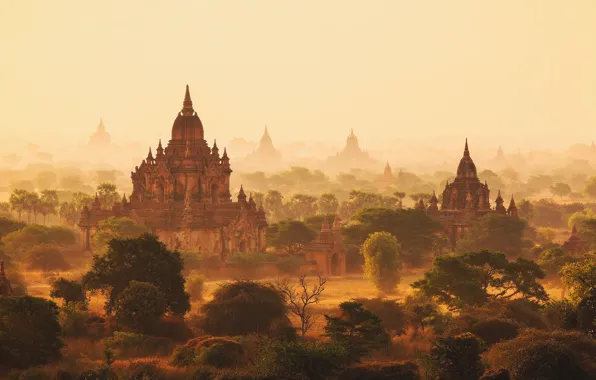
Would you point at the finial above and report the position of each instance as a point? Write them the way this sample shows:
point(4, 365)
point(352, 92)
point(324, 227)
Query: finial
point(187, 109)
point(466, 151)
point(215, 144)
point(351, 131)
point(124, 198)
point(225, 154)
point(159, 144)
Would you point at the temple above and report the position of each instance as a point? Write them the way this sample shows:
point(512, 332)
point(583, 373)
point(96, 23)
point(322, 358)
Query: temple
point(575, 244)
point(5, 288)
point(327, 251)
point(182, 194)
point(265, 156)
point(351, 156)
point(100, 139)
point(464, 200)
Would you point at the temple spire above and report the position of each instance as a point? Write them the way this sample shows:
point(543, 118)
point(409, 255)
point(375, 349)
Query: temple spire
point(187, 109)
point(225, 154)
point(325, 226)
point(466, 151)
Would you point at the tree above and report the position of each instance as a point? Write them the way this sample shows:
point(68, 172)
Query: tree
point(315, 223)
point(456, 358)
point(243, 307)
point(525, 208)
point(415, 231)
point(552, 260)
point(358, 330)
point(416, 197)
point(140, 306)
point(9, 225)
point(494, 232)
point(32, 205)
point(391, 313)
point(422, 312)
point(143, 259)
point(382, 261)
point(400, 195)
point(328, 204)
point(47, 258)
point(459, 281)
point(580, 277)
point(290, 235)
point(274, 205)
point(115, 228)
point(107, 195)
point(69, 291)
point(560, 189)
point(590, 188)
point(17, 243)
point(29, 332)
point(48, 203)
point(300, 298)
point(18, 201)
point(302, 206)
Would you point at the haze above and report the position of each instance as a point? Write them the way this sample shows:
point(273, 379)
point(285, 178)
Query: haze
point(517, 74)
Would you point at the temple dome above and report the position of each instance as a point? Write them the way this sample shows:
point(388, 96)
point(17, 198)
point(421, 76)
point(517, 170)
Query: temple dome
point(187, 126)
point(466, 167)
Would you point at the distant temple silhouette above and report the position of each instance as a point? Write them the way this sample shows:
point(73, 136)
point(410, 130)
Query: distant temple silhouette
point(100, 139)
point(183, 196)
point(351, 156)
point(265, 155)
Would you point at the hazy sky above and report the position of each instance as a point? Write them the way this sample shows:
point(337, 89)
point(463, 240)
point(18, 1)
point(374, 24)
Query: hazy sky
point(511, 72)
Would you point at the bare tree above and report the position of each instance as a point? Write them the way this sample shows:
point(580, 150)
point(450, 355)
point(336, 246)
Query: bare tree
point(300, 297)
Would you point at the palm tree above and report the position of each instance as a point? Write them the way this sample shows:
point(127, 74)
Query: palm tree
point(32, 203)
point(48, 203)
point(18, 201)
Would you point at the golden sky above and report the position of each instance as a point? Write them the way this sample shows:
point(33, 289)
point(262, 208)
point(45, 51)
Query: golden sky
point(502, 72)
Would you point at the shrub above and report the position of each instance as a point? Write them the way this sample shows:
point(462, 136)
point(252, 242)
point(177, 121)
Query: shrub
point(46, 257)
point(140, 306)
point(242, 307)
point(203, 373)
point(455, 358)
point(542, 354)
point(130, 345)
point(195, 286)
point(143, 371)
point(68, 291)
point(73, 319)
point(301, 360)
point(290, 264)
point(402, 371)
point(29, 332)
point(391, 313)
point(217, 352)
point(494, 330)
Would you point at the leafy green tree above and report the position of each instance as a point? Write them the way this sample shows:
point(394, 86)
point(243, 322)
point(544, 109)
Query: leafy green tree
point(328, 204)
point(107, 195)
point(274, 205)
point(358, 330)
point(9, 225)
point(552, 260)
point(18, 201)
point(414, 231)
point(315, 223)
point(525, 209)
point(17, 243)
point(29, 332)
point(69, 291)
point(477, 277)
point(32, 205)
point(586, 314)
point(590, 188)
point(560, 189)
point(360, 200)
point(302, 206)
point(115, 228)
point(456, 358)
point(494, 232)
point(422, 312)
point(290, 235)
point(47, 258)
point(392, 313)
point(140, 306)
point(382, 263)
point(48, 203)
point(243, 307)
point(580, 277)
point(143, 259)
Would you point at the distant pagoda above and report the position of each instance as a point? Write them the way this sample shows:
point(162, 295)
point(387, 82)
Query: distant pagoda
point(100, 139)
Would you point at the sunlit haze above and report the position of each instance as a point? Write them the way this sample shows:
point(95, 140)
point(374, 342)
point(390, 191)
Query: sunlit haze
point(512, 73)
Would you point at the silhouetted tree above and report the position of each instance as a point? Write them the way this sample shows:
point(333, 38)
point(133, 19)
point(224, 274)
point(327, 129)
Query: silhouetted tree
point(493, 232)
point(290, 235)
point(140, 306)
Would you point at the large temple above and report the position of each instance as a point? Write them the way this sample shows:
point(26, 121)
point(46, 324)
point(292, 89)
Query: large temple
point(100, 139)
point(183, 196)
point(265, 157)
point(352, 156)
point(464, 200)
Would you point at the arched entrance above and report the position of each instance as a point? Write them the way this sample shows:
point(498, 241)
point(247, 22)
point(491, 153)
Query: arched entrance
point(242, 246)
point(335, 265)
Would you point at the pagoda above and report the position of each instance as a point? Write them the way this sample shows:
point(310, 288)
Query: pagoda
point(182, 194)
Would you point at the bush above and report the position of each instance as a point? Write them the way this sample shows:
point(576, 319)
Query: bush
point(542, 354)
point(301, 360)
point(391, 313)
point(494, 330)
point(140, 306)
point(143, 371)
point(290, 264)
point(131, 345)
point(98, 374)
point(73, 319)
point(242, 307)
point(217, 352)
point(203, 374)
point(29, 332)
point(249, 260)
point(195, 286)
point(46, 258)
point(403, 371)
point(68, 291)
point(455, 358)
